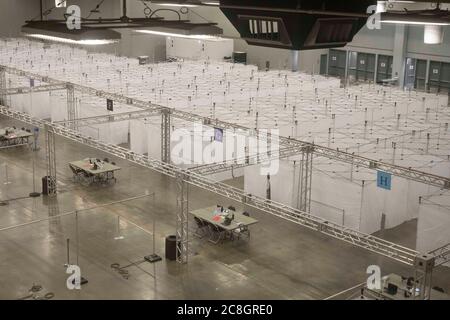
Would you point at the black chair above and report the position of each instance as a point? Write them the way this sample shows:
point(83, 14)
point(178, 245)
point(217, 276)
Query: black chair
point(245, 213)
point(113, 163)
point(201, 227)
point(217, 232)
point(106, 160)
point(231, 208)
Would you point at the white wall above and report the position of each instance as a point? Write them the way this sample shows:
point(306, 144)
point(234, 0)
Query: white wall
point(374, 41)
point(279, 58)
point(419, 50)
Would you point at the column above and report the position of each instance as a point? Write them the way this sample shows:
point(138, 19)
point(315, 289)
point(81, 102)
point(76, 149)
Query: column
point(400, 45)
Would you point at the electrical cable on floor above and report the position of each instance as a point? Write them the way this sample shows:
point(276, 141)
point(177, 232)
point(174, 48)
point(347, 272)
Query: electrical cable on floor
point(124, 273)
point(7, 201)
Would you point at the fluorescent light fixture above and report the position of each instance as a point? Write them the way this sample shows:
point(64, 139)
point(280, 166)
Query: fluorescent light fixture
point(199, 31)
point(428, 18)
point(87, 42)
point(418, 23)
point(180, 35)
point(58, 32)
point(177, 5)
point(433, 35)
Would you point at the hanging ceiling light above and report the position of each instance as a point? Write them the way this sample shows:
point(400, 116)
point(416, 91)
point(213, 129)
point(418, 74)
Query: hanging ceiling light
point(200, 31)
point(422, 17)
point(58, 32)
point(433, 34)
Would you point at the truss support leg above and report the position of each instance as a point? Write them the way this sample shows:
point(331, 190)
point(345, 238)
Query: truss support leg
point(165, 136)
point(182, 219)
point(423, 265)
point(53, 211)
point(51, 160)
point(306, 166)
point(3, 86)
point(71, 112)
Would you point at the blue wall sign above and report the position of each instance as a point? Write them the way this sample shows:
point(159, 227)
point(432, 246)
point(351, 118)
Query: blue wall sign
point(384, 180)
point(218, 134)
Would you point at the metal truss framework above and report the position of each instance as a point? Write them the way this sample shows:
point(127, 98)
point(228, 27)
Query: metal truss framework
point(441, 255)
point(335, 154)
point(255, 159)
point(424, 265)
point(24, 90)
point(182, 218)
point(3, 86)
point(306, 166)
point(71, 108)
point(117, 117)
point(165, 136)
point(368, 242)
point(50, 153)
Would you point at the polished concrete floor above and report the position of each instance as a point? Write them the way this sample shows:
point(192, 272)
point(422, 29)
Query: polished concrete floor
point(280, 261)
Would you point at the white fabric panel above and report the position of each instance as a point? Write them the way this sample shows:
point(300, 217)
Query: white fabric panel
point(154, 137)
point(338, 193)
point(254, 183)
point(434, 223)
point(40, 105)
point(138, 136)
point(114, 132)
point(58, 105)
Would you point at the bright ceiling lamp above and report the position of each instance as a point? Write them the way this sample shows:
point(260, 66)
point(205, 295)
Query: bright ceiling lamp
point(58, 32)
point(87, 42)
point(421, 18)
point(433, 34)
point(199, 31)
point(179, 3)
point(179, 35)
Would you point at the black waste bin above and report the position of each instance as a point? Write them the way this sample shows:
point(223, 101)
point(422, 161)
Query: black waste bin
point(171, 247)
point(45, 185)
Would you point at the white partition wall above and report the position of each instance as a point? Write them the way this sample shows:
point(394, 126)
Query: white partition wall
point(406, 128)
point(198, 49)
point(434, 222)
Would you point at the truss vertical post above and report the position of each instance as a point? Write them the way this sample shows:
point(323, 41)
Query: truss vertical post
point(306, 179)
point(53, 212)
point(423, 265)
point(165, 136)
point(3, 86)
point(182, 218)
point(51, 160)
point(71, 112)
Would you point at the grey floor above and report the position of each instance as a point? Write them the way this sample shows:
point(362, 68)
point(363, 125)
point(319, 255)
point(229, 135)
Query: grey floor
point(281, 260)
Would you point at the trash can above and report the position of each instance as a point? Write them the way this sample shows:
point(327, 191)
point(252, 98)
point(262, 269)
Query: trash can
point(171, 247)
point(45, 185)
point(240, 57)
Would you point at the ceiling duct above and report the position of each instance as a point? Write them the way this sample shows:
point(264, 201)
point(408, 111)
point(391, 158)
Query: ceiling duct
point(297, 25)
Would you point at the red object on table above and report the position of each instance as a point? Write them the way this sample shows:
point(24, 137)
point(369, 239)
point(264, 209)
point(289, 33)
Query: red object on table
point(216, 218)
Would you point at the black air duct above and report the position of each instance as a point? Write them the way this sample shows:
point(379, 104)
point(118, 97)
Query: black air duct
point(297, 24)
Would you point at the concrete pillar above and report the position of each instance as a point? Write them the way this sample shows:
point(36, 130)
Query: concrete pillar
point(294, 60)
point(400, 45)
